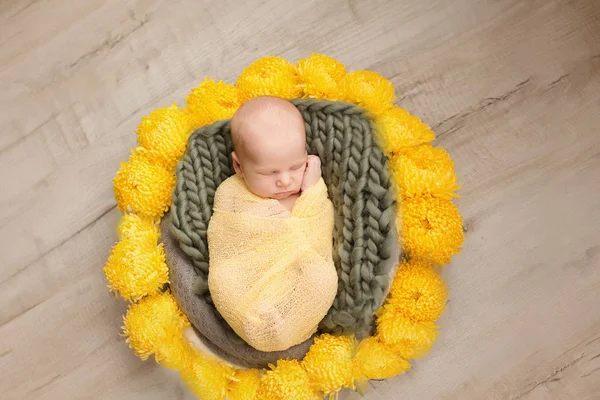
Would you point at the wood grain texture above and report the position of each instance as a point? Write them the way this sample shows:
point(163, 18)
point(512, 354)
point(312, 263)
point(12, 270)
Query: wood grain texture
point(512, 89)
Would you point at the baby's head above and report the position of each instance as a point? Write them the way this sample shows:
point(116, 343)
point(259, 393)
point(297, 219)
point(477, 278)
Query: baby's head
point(269, 143)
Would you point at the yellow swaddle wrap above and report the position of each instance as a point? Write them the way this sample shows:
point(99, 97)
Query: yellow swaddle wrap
point(271, 274)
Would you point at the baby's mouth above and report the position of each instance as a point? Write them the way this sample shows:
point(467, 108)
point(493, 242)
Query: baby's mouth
point(283, 195)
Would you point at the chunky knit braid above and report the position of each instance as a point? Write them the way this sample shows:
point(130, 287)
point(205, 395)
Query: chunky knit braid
point(205, 164)
point(356, 173)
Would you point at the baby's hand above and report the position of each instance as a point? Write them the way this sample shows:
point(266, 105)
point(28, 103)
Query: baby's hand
point(312, 172)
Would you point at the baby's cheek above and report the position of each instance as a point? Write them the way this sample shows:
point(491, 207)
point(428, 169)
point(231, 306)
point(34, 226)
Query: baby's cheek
point(256, 185)
point(268, 184)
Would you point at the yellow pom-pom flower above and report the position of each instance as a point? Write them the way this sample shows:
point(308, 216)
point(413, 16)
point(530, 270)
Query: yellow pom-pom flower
point(269, 76)
point(244, 385)
point(143, 231)
point(206, 377)
point(374, 360)
point(286, 381)
point(406, 338)
point(368, 89)
point(178, 355)
point(424, 170)
point(212, 101)
point(155, 326)
point(143, 187)
point(135, 270)
point(431, 228)
point(418, 291)
point(136, 266)
point(320, 76)
point(164, 133)
point(329, 363)
point(398, 130)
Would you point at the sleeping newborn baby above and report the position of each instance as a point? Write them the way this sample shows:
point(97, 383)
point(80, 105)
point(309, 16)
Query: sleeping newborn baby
point(271, 272)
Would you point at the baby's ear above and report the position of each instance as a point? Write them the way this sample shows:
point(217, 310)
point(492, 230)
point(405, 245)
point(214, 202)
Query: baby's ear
point(236, 163)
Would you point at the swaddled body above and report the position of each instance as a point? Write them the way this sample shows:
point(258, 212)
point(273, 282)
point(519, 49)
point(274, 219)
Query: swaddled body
point(271, 272)
point(277, 280)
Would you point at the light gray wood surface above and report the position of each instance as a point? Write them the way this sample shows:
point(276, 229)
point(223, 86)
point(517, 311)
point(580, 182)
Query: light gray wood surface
point(511, 87)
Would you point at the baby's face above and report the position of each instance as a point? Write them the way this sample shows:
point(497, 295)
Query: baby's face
point(271, 147)
point(275, 171)
point(273, 166)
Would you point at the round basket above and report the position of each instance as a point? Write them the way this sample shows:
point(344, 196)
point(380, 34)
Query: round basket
point(429, 231)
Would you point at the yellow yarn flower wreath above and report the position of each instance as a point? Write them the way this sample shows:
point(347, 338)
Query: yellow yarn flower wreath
point(429, 225)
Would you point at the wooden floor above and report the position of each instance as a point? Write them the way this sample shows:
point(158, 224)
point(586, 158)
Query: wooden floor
point(511, 87)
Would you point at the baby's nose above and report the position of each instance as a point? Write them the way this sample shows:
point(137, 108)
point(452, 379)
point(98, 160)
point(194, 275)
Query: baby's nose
point(284, 180)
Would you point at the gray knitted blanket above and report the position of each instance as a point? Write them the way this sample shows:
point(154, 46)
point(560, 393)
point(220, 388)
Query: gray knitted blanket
point(356, 173)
